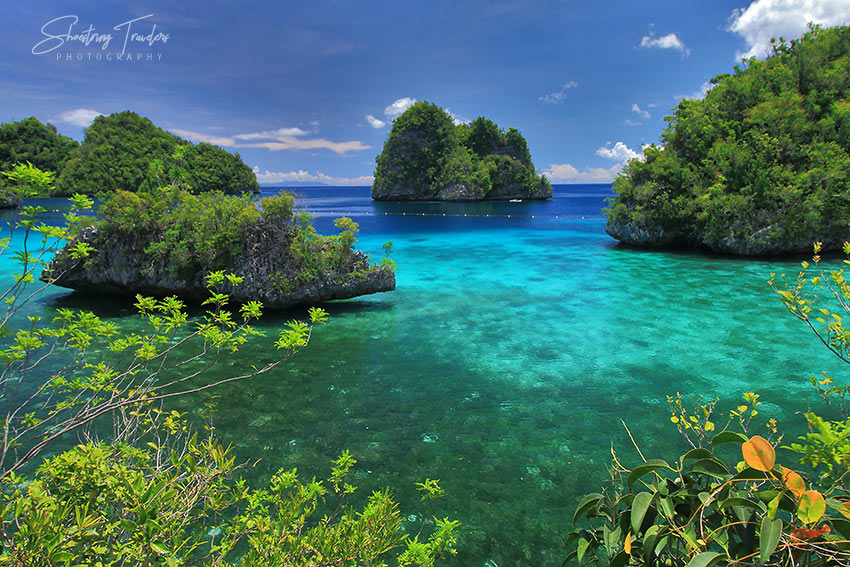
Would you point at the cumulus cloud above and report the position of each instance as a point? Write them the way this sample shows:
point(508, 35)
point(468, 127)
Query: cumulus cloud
point(208, 138)
point(302, 176)
point(567, 173)
point(558, 96)
point(619, 152)
point(292, 143)
point(669, 41)
point(640, 111)
point(374, 122)
point(266, 134)
point(628, 122)
point(764, 19)
point(81, 117)
point(391, 111)
point(399, 106)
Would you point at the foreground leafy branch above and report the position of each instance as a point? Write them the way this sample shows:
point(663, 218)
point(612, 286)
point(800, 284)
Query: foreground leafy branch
point(152, 492)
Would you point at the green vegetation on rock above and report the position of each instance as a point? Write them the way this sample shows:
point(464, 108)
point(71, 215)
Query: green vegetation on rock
point(428, 157)
point(760, 165)
point(31, 141)
point(25, 147)
point(125, 151)
point(166, 240)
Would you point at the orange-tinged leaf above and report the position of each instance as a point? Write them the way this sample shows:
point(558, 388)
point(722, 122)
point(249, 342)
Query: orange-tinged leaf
point(811, 507)
point(759, 453)
point(627, 546)
point(809, 533)
point(793, 481)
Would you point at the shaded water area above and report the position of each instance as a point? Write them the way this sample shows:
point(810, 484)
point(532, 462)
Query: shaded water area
point(518, 337)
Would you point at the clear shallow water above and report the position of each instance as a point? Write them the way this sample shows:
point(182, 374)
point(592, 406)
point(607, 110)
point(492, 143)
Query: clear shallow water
point(518, 336)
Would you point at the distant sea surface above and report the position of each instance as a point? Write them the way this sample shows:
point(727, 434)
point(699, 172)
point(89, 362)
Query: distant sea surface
point(519, 336)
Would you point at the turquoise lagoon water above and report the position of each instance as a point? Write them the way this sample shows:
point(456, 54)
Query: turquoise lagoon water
point(518, 337)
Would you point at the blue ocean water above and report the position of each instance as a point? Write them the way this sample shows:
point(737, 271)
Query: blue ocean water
point(518, 337)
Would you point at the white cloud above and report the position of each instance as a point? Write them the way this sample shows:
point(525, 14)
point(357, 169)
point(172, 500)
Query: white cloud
point(208, 138)
point(374, 122)
point(764, 19)
point(399, 106)
point(558, 96)
point(566, 173)
point(640, 112)
point(669, 41)
point(81, 117)
point(457, 119)
point(302, 176)
point(291, 143)
point(286, 132)
point(628, 122)
point(698, 94)
point(620, 152)
point(277, 143)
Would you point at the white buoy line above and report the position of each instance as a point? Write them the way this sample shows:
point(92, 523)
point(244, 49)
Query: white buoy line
point(405, 214)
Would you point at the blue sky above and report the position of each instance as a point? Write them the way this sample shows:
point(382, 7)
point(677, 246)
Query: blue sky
point(306, 91)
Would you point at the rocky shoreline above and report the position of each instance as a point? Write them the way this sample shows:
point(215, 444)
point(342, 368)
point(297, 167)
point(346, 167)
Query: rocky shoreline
point(119, 267)
point(767, 241)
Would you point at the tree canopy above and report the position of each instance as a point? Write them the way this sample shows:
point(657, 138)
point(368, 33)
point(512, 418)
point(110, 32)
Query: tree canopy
point(761, 164)
point(29, 140)
point(428, 156)
point(125, 151)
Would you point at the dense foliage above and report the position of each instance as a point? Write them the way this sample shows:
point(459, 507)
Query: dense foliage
point(428, 156)
point(190, 233)
point(22, 181)
point(194, 234)
point(31, 141)
point(764, 158)
point(124, 151)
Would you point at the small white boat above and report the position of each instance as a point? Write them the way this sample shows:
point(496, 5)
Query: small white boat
point(516, 200)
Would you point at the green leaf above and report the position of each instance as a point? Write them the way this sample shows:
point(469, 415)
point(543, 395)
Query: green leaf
point(842, 526)
point(646, 468)
point(710, 467)
point(727, 437)
point(705, 559)
point(752, 474)
point(159, 548)
point(697, 454)
point(649, 539)
point(588, 502)
point(740, 503)
point(611, 538)
point(619, 560)
point(582, 549)
point(773, 506)
point(769, 537)
point(667, 508)
point(639, 507)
